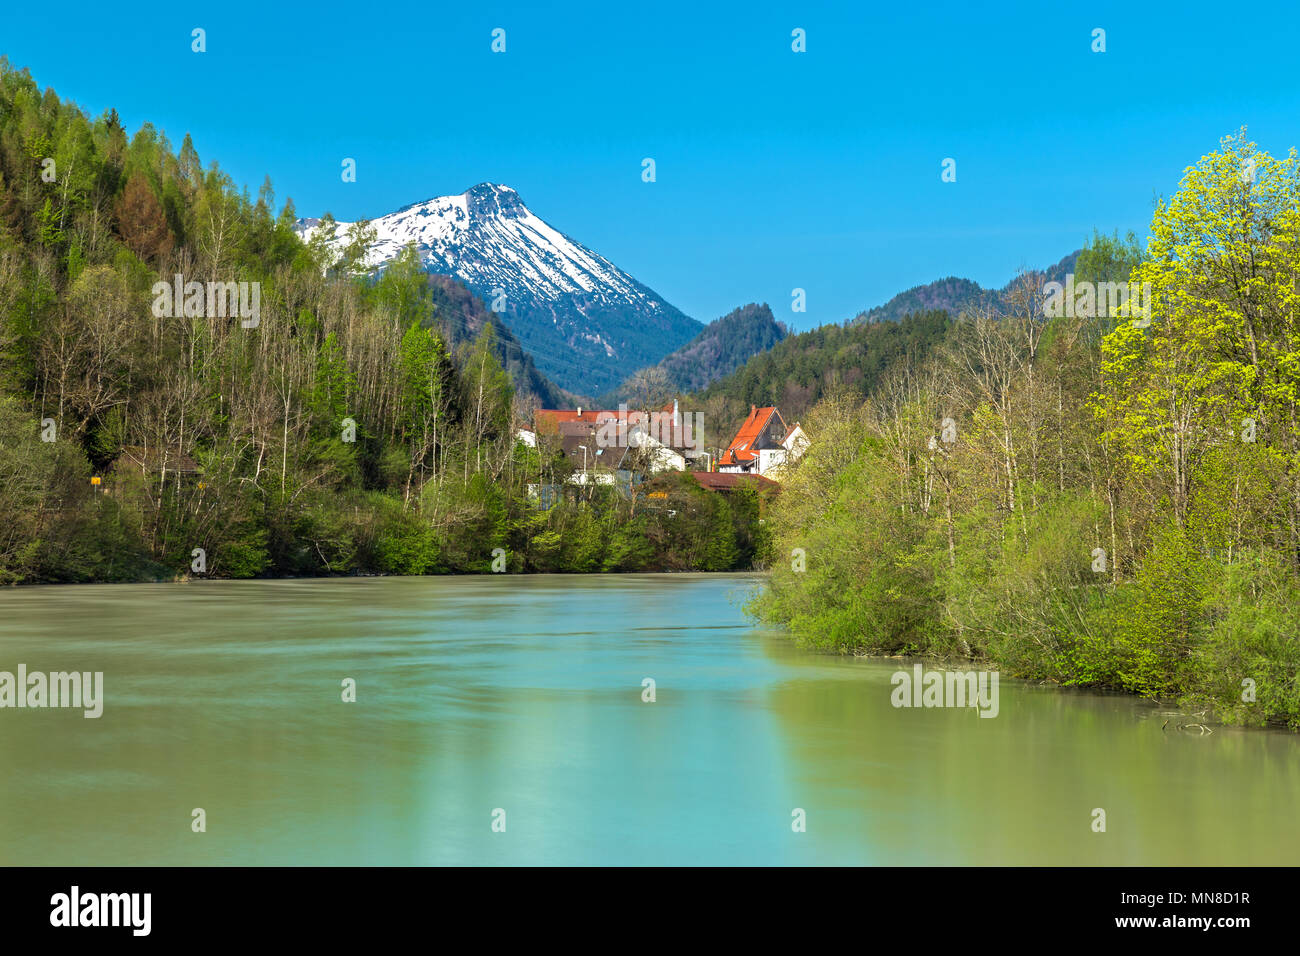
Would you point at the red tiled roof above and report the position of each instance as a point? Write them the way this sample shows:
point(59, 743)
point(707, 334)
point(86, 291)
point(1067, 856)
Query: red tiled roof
point(741, 447)
point(547, 418)
point(671, 433)
point(556, 415)
point(724, 481)
point(595, 415)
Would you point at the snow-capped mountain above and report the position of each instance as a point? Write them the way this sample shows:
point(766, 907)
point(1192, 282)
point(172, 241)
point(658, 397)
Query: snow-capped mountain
point(587, 323)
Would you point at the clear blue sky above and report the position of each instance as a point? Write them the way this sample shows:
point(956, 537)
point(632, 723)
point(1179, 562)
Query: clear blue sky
point(819, 170)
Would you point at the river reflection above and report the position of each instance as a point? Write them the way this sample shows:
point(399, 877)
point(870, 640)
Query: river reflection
point(524, 694)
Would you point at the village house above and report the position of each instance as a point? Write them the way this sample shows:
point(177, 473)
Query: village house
point(763, 445)
point(621, 446)
point(593, 462)
point(608, 446)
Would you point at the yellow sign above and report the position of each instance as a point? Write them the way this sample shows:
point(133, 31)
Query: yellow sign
point(95, 480)
point(657, 494)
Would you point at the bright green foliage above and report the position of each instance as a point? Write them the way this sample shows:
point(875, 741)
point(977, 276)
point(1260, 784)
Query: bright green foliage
point(1118, 501)
point(339, 434)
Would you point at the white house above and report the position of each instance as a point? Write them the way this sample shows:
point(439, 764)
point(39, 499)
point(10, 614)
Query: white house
point(763, 445)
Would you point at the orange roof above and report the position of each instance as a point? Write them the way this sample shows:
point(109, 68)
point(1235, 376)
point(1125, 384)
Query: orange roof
point(592, 416)
point(553, 416)
point(741, 447)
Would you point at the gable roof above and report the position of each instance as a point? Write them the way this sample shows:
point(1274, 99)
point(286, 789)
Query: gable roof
point(790, 434)
point(742, 448)
point(593, 416)
point(556, 416)
point(666, 426)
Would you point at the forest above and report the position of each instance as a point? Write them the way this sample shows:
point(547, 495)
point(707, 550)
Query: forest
point(799, 370)
point(1109, 499)
point(725, 345)
point(1095, 498)
point(360, 425)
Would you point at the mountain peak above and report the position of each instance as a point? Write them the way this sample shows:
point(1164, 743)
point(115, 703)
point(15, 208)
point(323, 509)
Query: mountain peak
point(486, 188)
point(491, 198)
point(586, 322)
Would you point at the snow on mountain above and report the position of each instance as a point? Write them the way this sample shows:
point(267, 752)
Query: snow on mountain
point(587, 323)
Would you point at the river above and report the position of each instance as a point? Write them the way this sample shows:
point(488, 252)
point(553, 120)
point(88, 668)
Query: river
point(524, 694)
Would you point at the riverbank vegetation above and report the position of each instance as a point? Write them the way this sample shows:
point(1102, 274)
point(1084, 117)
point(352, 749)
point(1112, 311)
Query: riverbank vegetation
point(1109, 500)
point(344, 430)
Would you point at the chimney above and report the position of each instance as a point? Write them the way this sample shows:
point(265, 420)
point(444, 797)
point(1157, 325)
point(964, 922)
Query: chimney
point(753, 410)
point(579, 411)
